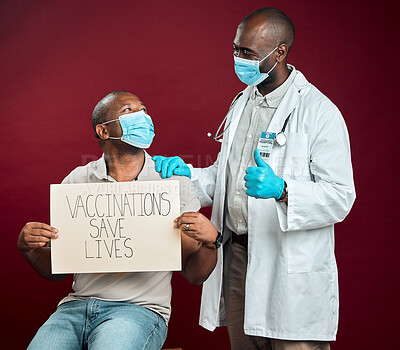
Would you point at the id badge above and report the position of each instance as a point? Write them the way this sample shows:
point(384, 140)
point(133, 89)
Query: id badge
point(266, 143)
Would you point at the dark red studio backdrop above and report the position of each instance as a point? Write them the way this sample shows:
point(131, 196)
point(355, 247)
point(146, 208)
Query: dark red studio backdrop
point(58, 58)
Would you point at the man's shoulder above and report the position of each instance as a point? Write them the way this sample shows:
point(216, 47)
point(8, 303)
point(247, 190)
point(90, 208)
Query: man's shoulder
point(188, 196)
point(184, 181)
point(313, 97)
point(187, 193)
point(149, 173)
point(82, 173)
point(316, 97)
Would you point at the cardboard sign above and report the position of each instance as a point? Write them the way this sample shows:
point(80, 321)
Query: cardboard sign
point(115, 227)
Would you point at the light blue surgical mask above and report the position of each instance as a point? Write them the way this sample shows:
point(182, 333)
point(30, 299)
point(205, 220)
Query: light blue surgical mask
point(248, 71)
point(137, 129)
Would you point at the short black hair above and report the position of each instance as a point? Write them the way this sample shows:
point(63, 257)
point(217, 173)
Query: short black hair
point(100, 112)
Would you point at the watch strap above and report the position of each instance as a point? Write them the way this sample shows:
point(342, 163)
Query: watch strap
point(218, 241)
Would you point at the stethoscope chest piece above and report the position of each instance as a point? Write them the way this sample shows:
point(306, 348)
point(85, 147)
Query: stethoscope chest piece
point(280, 139)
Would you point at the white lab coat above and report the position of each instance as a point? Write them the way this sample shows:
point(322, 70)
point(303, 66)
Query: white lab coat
point(292, 281)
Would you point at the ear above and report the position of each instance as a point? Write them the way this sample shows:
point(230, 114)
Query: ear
point(282, 51)
point(102, 131)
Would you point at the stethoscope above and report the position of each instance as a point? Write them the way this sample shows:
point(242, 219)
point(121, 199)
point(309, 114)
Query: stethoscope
point(280, 138)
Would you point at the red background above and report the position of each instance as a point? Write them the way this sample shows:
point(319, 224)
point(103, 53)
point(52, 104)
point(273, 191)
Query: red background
point(58, 58)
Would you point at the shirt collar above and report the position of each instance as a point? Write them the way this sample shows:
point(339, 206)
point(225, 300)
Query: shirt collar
point(148, 167)
point(274, 97)
point(101, 168)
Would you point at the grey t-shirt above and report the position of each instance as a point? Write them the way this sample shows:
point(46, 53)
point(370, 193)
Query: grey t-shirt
point(151, 290)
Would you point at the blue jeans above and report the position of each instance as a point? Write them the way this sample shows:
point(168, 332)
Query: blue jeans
point(99, 325)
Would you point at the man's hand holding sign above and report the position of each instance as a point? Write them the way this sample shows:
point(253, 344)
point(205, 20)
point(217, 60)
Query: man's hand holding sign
point(36, 235)
point(32, 243)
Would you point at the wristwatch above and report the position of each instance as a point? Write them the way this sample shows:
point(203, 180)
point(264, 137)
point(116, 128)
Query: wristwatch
point(218, 241)
point(285, 194)
point(216, 244)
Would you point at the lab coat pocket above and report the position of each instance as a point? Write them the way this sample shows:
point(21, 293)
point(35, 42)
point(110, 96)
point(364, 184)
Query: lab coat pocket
point(292, 160)
point(310, 251)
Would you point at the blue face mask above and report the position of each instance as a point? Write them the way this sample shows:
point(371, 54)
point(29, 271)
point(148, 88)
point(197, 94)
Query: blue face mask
point(248, 71)
point(137, 129)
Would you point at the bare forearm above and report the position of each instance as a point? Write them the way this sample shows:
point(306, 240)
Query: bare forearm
point(200, 265)
point(32, 243)
point(40, 260)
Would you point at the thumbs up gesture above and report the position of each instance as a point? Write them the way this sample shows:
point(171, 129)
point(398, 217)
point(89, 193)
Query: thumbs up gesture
point(261, 181)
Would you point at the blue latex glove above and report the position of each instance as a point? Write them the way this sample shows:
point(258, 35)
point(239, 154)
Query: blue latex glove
point(169, 166)
point(261, 181)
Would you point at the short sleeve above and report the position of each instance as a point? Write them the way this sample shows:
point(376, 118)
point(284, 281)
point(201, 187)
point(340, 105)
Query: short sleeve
point(189, 200)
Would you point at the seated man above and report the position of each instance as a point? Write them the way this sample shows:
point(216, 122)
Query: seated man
point(120, 310)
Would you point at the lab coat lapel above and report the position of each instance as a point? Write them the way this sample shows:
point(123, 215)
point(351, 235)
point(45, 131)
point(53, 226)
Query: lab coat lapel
point(289, 102)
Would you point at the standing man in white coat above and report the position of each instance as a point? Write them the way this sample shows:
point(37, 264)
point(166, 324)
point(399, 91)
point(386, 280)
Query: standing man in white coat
point(282, 179)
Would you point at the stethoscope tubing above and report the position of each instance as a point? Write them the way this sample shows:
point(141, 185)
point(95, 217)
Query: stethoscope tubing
point(280, 138)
